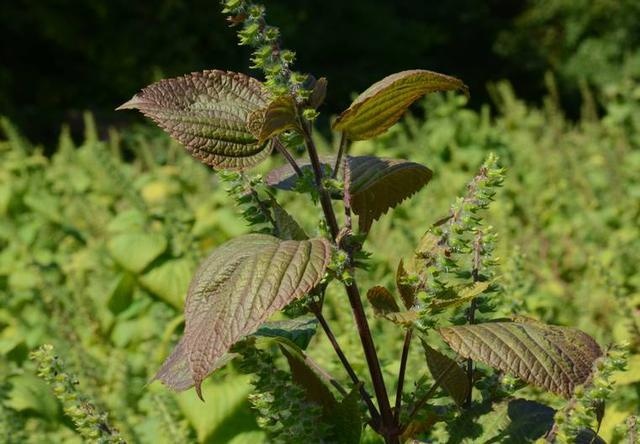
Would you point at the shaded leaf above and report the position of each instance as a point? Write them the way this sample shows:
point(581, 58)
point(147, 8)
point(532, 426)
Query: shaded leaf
point(465, 295)
point(285, 178)
point(382, 301)
point(208, 113)
point(555, 358)
point(383, 103)
point(303, 374)
point(299, 330)
point(407, 292)
point(236, 289)
point(319, 93)
point(279, 116)
point(347, 420)
point(344, 416)
point(512, 421)
point(286, 226)
point(379, 184)
point(455, 380)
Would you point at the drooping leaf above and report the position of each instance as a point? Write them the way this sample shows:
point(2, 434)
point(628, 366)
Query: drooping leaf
point(279, 116)
point(383, 103)
point(286, 226)
point(208, 113)
point(382, 301)
point(235, 290)
point(379, 184)
point(347, 420)
point(407, 292)
point(455, 380)
point(344, 416)
point(465, 295)
point(555, 358)
point(299, 330)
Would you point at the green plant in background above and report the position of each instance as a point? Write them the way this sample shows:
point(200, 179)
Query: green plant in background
point(232, 121)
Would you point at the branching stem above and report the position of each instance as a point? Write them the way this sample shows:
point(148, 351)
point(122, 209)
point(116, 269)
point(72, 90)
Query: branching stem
point(403, 369)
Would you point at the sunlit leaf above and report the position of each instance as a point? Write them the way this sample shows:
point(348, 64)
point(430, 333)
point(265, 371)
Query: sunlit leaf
point(465, 295)
point(452, 378)
point(555, 358)
point(208, 113)
point(378, 184)
point(384, 102)
point(170, 281)
point(236, 289)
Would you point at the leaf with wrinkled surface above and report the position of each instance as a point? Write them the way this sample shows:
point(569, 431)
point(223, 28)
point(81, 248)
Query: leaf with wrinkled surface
point(378, 184)
point(236, 289)
point(208, 113)
point(552, 357)
point(454, 381)
point(383, 103)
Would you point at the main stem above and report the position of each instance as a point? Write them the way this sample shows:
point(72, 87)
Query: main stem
point(388, 427)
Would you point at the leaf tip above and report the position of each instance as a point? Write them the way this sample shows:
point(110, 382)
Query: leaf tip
point(198, 387)
point(133, 103)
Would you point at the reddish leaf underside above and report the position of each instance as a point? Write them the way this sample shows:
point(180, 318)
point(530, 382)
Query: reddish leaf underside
point(208, 112)
point(236, 289)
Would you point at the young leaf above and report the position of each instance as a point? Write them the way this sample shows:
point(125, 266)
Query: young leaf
point(236, 289)
point(208, 113)
point(382, 301)
point(455, 381)
point(384, 102)
point(465, 295)
point(379, 184)
point(407, 292)
point(279, 116)
point(555, 358)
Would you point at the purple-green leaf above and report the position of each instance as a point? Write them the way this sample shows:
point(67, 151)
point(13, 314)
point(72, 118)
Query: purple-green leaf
point(279, 116)
point(378, 184)
point(555, 358)
point(234, 291)
point(383, 103)
point(208, 112)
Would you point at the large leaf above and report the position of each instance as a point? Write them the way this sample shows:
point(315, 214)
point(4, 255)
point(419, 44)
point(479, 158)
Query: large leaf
point(235, 290)
point(208, 113)
point(379, 184)
point(384, 102)
point(452, 378)
point(555, 358)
